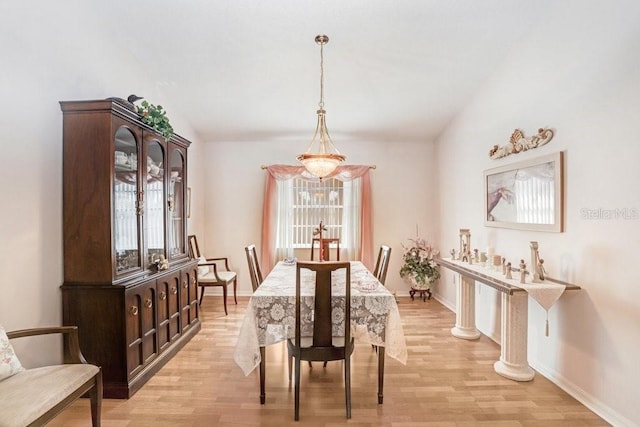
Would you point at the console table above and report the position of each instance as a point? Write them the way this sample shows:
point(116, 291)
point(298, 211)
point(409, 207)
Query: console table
point(513, 362)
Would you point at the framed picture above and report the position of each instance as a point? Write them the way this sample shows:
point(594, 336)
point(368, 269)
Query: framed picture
point(526, 196)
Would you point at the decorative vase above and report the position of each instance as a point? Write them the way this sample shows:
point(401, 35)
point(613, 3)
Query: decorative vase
point(424, 290)
point(411, 280)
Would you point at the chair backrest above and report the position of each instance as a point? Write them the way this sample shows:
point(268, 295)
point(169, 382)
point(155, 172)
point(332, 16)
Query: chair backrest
point(254, 266)
point(382, 264)
point(194, 249)
point(325, 248)
point(322, 318)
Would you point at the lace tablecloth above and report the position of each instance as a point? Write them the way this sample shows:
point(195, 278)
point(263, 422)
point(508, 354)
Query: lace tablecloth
point(270, 317)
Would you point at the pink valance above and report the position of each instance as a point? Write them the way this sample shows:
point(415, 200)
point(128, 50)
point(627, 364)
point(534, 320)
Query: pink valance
point(343, 173)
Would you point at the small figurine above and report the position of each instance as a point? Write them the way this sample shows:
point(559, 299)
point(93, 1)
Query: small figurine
point(476, 258)
point(465, 245)
point(523, 271)
point(535, 262)
point(318, 232)
point(540, 269)
point(161, 263)
point(504, 265)
point(464, 255)
point(508, 275)
point(453, 254)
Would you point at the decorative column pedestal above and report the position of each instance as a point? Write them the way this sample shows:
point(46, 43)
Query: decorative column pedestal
point(466, 310)
point(513, 348)
point(513, 362)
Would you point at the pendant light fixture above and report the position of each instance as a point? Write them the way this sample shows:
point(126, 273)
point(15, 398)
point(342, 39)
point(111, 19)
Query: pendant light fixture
point(325, 160)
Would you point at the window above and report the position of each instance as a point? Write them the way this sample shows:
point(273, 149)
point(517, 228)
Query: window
point(313, 202)
point(295, 204)
point(302, 204)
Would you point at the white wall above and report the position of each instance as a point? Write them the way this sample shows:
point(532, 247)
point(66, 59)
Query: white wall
point(41, 68)
point(234, 193)
point(585, 85)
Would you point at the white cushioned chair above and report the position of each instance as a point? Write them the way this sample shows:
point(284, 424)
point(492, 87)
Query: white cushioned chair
point(34, 396)
point(209, 273)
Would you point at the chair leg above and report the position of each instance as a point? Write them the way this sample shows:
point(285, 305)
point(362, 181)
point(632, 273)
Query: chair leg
point(296, 393)
point(224, 298)
point(380, 373)
point(235, 285)
point(201, 294)
point(95, 396)
point(263, 366)
point(290, 367)
point(347, 384)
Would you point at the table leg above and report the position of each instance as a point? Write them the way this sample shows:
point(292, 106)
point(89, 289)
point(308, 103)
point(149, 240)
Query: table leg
point(466, 310)
point(262, 369)
point(513, 362)
point(381, 351)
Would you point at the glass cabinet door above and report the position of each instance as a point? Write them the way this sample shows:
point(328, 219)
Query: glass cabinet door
point(176, 204)
point(154, 201)
point(126, 202)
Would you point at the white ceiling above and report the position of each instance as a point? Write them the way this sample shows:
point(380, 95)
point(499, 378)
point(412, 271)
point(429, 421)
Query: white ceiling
point(249, 70)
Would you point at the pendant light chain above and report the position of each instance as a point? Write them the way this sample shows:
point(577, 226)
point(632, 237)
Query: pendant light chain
point(321, 103)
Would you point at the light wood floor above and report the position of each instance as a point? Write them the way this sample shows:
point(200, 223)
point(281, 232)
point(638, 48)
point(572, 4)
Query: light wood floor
point(446, 382)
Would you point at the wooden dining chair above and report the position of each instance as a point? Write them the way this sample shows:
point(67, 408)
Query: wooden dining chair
point(322, 345)
point(382, 264)
point(326, 244)
point(209, 273)
point(254, 266)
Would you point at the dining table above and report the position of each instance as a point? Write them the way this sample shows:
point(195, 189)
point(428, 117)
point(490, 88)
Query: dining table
point(270, 316)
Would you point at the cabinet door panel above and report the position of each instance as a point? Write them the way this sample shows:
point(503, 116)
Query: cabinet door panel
point(127, 202)
point(135, 360)
point(189, 297)
point(176, 196)
point(193, 294)
point(141, 326)
point(153, 167)
point(168, 309)
point(149, 338)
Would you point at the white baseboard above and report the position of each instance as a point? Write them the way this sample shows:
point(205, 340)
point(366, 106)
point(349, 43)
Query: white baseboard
point(449, 304)
point(594, 404)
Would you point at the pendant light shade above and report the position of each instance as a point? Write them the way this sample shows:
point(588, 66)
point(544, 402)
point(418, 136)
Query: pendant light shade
point(326, 156)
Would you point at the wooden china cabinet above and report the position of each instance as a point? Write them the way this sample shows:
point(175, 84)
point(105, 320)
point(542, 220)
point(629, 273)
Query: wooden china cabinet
point(124, 203)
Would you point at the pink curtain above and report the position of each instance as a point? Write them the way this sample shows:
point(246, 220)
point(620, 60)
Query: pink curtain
point(343, 173)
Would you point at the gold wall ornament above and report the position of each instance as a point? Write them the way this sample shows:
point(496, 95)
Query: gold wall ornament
point(519, 143)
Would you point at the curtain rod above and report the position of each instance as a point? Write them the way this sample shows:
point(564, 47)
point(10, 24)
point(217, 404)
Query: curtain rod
point(265, 166)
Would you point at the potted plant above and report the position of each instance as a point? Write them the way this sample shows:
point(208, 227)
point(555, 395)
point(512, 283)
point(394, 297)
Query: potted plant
point(156, 117)
point(420, 268)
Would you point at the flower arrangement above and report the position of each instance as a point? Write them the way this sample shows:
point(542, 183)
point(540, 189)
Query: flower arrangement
point(419, 263)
